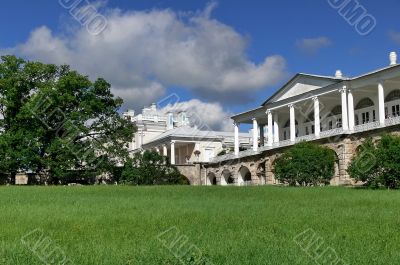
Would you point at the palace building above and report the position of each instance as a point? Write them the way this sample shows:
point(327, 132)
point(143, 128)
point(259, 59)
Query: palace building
point(335, 111)
point(187, 146)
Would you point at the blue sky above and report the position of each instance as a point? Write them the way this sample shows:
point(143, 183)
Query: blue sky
point(307, 36)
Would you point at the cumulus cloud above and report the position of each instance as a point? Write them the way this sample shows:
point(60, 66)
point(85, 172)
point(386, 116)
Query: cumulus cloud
point(207, 116)
point(394, 36)
point(141, 53)
point(313, 45)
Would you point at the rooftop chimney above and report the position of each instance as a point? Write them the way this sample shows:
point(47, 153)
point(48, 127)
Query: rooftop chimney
point(393, 58)
point(338, 74)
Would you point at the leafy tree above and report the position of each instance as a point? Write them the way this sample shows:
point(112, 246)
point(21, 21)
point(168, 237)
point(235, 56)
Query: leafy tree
point(378, 164)
point(363, 165)
point(305, 164)
point(151, 168)
point(57, 123)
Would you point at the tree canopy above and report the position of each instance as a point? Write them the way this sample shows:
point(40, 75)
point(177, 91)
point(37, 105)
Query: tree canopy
point(305, 164)
point(57, 123)
point(378, 163)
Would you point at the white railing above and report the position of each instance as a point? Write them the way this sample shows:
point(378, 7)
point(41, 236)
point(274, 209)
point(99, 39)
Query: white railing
point(392, 121)
point(367, 126)
point(306, 138)
point(332, 132)
point(324, 134)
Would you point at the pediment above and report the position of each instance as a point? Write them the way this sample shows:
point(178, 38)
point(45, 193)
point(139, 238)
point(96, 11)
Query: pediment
point(301, 84)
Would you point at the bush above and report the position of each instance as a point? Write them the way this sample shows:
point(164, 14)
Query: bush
point(151, 168)
point(378, 164)
point(305, 164)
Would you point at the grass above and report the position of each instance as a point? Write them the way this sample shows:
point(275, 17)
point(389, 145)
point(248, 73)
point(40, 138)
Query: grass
point(254, 225)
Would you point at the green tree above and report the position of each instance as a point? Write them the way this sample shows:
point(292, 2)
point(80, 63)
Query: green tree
point(305, 164)
point(57, 123)
point(378, 164)
point(151, 168)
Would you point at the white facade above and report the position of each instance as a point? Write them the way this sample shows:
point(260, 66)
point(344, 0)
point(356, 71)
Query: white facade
point(311, 107)
point(171, 135)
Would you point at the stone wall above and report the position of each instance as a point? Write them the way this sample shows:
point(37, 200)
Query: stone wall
point(261, 165)
point(192, 172)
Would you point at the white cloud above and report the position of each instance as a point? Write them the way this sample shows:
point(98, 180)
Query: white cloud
point(147, 51)
point(207, 116)
point(313, 45)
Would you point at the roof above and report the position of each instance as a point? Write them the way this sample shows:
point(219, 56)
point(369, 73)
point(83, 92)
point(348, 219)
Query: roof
point(193, 133)
point(337, 82)
point(297, 76)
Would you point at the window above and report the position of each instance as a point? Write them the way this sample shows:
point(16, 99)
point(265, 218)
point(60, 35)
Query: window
point(386, 113)
point(330, 125)
point(339, 123)
point(313, 129)
point(365, 117)
point(284, 135)
point(357, 121)
point(307, 132)
point(396, 110)
point(373, 115)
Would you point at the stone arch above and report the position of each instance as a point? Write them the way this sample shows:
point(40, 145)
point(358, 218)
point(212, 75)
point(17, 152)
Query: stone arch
point(211, 179)
point(244, 176)
point(364, 103)
point(261, 173)
point(227, 178)
point(392, 96)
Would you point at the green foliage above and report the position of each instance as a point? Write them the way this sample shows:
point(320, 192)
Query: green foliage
point(378, 164)
point(57, 123)
point(151, 168)
point(118, 225)
point(305, 164)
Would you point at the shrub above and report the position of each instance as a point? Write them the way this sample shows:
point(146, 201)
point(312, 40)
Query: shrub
point(151, 168)
point(305, 164)
point(378, 164)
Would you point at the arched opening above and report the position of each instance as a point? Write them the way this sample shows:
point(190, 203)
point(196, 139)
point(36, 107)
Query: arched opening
point(392, 96)
point(364, 112)
point(212, 179)
point(392, 104)
point(226, 178)
point(337, 110)
point(334, 118)
point(364, 103)
point(244, 176)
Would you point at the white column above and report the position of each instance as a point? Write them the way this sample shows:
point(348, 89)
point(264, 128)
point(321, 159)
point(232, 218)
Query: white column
point(270, 129)
point(172, 152)
point(157, 150)
point(276, 128)
point(317, 122)
point(292, 123)
point(255, 135)
point(350, 103)
point(381, 106)
point(345, 124)
point(165, 150)
point(236, 125)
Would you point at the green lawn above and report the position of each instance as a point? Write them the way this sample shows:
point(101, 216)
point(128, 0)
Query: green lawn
point(255, 225)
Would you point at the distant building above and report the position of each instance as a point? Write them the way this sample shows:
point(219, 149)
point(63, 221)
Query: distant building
point(172, 135)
